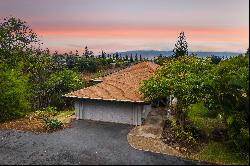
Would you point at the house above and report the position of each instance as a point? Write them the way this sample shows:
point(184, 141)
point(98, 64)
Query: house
point(116, 98)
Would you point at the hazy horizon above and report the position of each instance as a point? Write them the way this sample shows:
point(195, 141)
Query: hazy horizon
point(118, 25)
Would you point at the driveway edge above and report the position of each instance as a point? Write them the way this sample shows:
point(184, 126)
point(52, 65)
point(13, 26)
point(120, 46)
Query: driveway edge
point(151, 144)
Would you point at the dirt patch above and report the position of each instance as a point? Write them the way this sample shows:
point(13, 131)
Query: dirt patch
point(25, 124)
point(31, 123)
point(151, 144)
point(67, 121)
point(147, 131)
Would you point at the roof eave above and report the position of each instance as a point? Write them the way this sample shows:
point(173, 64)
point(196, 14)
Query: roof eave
point(129, 101)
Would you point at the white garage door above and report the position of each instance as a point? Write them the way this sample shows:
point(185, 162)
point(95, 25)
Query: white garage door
point(108, 112)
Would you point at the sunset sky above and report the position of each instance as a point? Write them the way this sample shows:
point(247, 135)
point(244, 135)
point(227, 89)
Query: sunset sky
point(120, 25)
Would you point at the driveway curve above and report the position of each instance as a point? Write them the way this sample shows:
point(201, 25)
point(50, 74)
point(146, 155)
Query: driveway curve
point(85, 142)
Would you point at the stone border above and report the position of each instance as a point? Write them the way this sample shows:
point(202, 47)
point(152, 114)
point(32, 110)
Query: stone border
point(155, 145)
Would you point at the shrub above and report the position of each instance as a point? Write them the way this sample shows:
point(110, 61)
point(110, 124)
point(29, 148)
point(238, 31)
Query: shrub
point(46, 113)
point(183, 136)
point(14, 93)
point(53, 124)
point(58, 84)
point(229, 86)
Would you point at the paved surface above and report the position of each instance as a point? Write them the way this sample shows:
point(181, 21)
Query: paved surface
point(85, 142)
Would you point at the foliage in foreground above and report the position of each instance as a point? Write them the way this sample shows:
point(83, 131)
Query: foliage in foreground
point(220, 153)
point(30, 78)
point(49, 75)
point(53, 124)
point(223, 89)
point(50, 117)
point(46, 113)
point(14, 90)
point(58, 84)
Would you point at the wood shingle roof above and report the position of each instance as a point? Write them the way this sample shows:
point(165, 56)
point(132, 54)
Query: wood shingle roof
point(122, 85)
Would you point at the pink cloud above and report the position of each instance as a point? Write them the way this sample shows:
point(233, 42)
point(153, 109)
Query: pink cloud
point(196, 34)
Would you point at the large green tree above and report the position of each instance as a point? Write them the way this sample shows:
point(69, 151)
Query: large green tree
point(181, 77)
point(223, 88)
point(18, 45)
point(17, 40)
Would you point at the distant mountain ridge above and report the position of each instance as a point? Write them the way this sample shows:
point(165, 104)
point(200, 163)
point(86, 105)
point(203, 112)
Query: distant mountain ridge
point(150, 54)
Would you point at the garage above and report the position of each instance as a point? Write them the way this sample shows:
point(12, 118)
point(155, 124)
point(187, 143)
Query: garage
point(116, 97)
point(111, 111)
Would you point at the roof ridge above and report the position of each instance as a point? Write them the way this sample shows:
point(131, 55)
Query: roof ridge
point(113, 72)
point(121, 85)
point(131, 65)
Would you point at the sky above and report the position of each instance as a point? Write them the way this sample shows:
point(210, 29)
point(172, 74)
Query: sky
point(121, 25)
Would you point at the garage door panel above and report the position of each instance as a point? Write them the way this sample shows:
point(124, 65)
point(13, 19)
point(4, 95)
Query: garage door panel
point(109, 112)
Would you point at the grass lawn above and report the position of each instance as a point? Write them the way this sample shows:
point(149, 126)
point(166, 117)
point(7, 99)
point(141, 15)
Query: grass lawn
point(64, 115)
point(218, 153)
point(203, 119)
point(215, 152)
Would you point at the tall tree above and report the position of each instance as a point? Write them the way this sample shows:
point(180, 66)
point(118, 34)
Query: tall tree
point(247, 53)
point(103, 55)
point(17, 41)
point(116, 55)
point(136, 57)
point(77, 54)
point(16, 34)
point(84, 52)
point(181, 47)
point(70, 60)
point(131, 58)
point(126, 57)
point(140, 58)
point(87, 53)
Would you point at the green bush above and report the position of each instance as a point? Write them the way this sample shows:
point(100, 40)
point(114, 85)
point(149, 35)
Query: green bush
point(58, 84)
point(14, 93)
point(46, 113)
point(203, 119)
point(183, 136)
point(53, 124)
point(229, 86)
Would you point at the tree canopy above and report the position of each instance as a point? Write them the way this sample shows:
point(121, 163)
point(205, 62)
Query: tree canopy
point(223, 88)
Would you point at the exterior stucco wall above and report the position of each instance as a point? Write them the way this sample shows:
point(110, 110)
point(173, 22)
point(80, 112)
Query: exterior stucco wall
point(111, 111)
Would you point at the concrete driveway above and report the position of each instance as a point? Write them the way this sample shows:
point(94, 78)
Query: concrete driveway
point(85, 142)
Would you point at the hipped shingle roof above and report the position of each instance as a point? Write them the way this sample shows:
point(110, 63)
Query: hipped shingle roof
point(122, 85)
